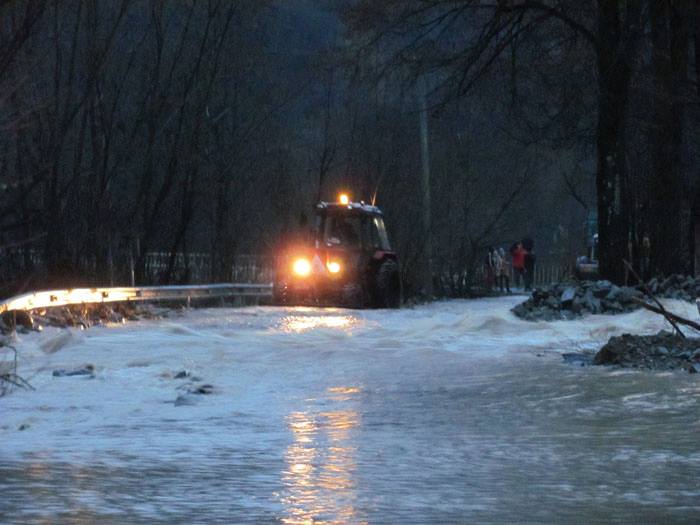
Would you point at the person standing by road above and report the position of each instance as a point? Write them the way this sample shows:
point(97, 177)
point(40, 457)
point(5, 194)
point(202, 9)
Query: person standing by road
point(491, 267)
point(518, 261)
point(529, 265)
point(645, 258)
point(503, 271)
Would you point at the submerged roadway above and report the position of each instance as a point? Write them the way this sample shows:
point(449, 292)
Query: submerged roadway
point(453, 412)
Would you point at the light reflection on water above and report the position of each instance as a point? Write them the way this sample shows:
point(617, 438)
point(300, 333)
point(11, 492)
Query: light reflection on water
point(319, 479)
point(83, 496)
point(306, 323)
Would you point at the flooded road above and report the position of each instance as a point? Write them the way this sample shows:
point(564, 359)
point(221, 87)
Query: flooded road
point(454, 412)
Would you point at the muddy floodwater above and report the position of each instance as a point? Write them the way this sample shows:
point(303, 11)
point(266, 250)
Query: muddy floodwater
point(454, 412)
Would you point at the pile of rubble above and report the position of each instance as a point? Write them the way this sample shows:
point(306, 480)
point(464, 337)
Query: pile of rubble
point(573, 299)
point(682, 287)
point(570, 300)
point(663, 351)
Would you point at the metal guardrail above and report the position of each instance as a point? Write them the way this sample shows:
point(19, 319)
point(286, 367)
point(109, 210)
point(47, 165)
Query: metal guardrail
point(75, 296)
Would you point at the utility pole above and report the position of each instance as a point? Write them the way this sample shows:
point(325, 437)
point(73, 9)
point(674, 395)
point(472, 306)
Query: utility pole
point(425, 188)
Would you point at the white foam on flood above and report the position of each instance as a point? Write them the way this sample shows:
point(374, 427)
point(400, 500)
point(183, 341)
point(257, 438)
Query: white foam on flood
point(252, 356)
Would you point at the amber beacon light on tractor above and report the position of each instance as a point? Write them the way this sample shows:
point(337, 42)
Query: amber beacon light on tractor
point(343, 259)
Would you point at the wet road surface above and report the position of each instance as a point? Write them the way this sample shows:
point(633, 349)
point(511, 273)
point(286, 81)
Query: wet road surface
point(454, 412)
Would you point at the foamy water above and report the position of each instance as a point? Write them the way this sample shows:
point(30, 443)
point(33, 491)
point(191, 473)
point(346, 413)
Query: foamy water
point(450, 412)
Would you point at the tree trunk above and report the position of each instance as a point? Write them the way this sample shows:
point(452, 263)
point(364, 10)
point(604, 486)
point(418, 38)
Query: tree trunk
point(695, 211)
point(614, 73)
point(427, 271)
point(670, 232)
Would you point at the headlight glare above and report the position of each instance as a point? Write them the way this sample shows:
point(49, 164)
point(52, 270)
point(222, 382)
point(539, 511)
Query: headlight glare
point(333, 267)
point(301, 267)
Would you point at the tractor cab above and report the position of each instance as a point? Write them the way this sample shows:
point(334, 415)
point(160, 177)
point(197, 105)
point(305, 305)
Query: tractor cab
point(346, 260)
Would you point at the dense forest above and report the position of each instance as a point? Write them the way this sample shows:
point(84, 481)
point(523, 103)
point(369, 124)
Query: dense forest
point(209, 126)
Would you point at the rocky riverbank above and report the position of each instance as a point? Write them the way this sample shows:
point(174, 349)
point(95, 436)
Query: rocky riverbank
point(663, 351)
point(569, 300)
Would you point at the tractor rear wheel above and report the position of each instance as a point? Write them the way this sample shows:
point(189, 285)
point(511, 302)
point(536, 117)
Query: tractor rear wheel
point(388, 285)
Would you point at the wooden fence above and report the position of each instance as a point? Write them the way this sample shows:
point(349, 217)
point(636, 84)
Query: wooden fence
point(551, 273)
point(545, 274)
point(197, 268)
point(18, 261)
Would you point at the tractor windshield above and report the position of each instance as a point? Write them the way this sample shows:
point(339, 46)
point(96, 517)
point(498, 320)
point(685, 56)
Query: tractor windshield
point(343, 231)
point(355, 231)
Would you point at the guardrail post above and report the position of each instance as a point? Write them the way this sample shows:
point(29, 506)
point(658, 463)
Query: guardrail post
point(110, 263)
point(132, 277)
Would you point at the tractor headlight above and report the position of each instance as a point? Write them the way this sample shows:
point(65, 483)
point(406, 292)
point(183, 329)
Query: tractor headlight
point(333, 267)
point(301, 268)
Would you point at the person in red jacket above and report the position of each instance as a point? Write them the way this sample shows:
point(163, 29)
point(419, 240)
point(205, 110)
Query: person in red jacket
point(518, 254)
